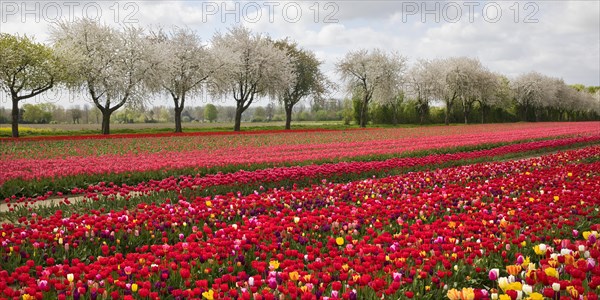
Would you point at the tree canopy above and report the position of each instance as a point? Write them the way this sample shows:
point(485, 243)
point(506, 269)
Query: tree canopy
point(27, 69)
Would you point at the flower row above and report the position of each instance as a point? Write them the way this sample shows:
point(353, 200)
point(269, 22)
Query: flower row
point(111, 191)
point(31, 161)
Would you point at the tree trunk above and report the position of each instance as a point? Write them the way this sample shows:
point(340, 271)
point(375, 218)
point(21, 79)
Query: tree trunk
point(560, 115)
point(363, 113)
point(422, 119)
point(178, 111)
point(467, 111)
point(394, 115)
point(482, 114)
point(288, 117)
point(238, 119)
point(449, 103)
point(15, 118)
point(106, 121)
point(363, 121)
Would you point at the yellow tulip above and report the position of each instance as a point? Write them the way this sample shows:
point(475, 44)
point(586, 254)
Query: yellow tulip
point(339, 241)
point(515, 286)
point(454, 294)
point(468, 294)
point(551, 272)
point(535, 296)
point(274, 264)
point(464, 294)
point(210, 294)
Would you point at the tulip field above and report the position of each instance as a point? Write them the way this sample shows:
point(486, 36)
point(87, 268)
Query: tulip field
point(498, 211)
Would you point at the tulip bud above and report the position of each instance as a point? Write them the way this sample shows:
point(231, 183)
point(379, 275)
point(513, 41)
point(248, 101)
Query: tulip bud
point(565, 251)
point(581, 248)
point(520, 259)
point(556, 287)
point(592, 238)
point(494, 274)
point(590, 263)
point(519, 295)
point(527, 289)
point(42, 284)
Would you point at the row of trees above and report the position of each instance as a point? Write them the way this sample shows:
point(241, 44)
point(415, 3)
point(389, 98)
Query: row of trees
point(465, 83)
point(117, 68)
point(50, 113)
point(402, 111)
point(123, 67)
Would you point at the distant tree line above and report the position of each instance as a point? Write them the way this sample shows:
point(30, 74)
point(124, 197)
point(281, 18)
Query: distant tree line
point(49, 113)
point(119, 70)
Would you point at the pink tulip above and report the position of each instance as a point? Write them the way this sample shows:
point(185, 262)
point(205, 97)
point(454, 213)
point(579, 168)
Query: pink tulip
point(494, 274)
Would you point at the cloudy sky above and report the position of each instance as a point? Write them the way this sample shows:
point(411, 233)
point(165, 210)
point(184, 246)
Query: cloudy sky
point(556, 38)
